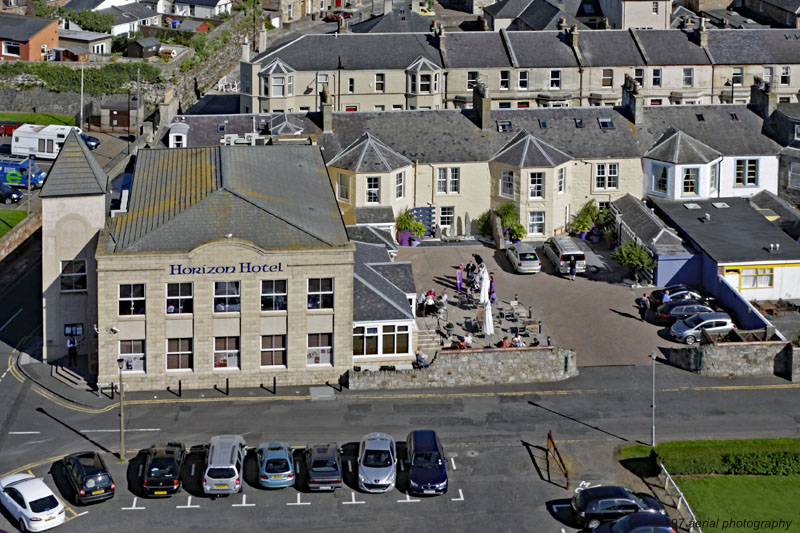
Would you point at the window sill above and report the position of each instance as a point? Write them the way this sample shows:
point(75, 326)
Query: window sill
point(321, 311)
point(745, 186)
point(274, 313)
point(319, 365)
point(226, 369)
point(133, 372)
point(273, 367)
point(131, 318)
point(537, 197)
point(180, 370)
point(84, 291)
point(226, 314)
point(506, 196)
point(179, 315)
point(379, 357)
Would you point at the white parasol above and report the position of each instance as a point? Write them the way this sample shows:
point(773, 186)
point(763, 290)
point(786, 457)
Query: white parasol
point(484, 277)
point(488, 323)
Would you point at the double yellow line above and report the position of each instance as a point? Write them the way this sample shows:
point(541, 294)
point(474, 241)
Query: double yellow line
point(70, 511)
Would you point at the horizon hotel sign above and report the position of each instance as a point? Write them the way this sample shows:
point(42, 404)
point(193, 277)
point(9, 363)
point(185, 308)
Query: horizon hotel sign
point(241, 268)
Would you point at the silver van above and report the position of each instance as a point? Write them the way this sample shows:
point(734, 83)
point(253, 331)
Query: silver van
point(224, 465)
point(560, 249)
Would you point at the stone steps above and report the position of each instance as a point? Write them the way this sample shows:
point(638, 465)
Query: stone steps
point(429, 341)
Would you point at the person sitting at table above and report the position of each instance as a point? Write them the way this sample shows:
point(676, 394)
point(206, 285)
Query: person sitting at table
point(516, 341)
point(467, 342)
point(443, 297)
point(430, 304)
point(506, 344)
point(431, 292)
point(422, 358)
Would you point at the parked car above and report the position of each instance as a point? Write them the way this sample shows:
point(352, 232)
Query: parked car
point(678, 309)
point(426, 12)
point(688, 330)
point(9, 195)
point(324, 466)
point(162, 469)
point(676, 292)
point(31, 503)
point(336, 15)
point(639, 523)
point(377, 460)
point(426, 463)
point(224, 462)
point(560, 249)
point(524, 259)
point(275, 465)
point(89, 478)
point(591, 507)
point(91, 142)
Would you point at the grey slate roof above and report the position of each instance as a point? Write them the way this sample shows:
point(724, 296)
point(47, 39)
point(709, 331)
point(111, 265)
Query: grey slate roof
point(401, 274)
point(80, 5)
point(286, 124)
point(277, 197)
point(190, 25)
point(792, 6)
point(528, 46)
point(20, 28)
point(678, 148)
point(82, 36)
point(369, 154)
point(202, 129)
point(75, 172)
point(374, 215)
point(147, 42)
point(671, 47)
point(542, 15)
point(734, 234)
point(395, 21)
point(788, 216)
point(648, 227)
point(376, 298)
point(679, 12)
point(476, 50)
point(745, 47)
point(371, 235)
point(126, 13)
point(207, 3)
point(609, 48)
point(526, 151)
point(507, 9)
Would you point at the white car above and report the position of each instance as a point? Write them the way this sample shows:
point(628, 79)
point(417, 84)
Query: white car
point(377, 460)
point(524, 259)
point(31, 502)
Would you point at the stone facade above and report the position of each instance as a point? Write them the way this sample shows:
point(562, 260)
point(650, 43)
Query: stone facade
point(20, 233)
point(739, 359)
point(460, 368)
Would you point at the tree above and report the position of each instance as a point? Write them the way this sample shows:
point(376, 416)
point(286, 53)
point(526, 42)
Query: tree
point(634, 256)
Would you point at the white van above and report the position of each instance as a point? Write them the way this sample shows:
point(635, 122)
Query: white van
point(40, 141)
point(560, 249)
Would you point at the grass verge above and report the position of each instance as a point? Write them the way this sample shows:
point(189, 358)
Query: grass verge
point(10, 218)
point(39, 118)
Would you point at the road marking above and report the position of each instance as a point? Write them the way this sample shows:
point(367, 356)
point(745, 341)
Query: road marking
point(460, 497)
point(408, 499)
point(352, 499)
point(4, 374)
point(133, 507)
point(453, 462)
point(298, 502)
point(244, 502)
point(350, 465)
point(188, 505)
point(10, 319)
point(402, 468)
point(115, 430)
point(23, 432)
point(66, 507)
point(557, 505)
point(193, 465)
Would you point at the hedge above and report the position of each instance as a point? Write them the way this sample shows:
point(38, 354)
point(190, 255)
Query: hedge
point(779, 457)
point(107, 79)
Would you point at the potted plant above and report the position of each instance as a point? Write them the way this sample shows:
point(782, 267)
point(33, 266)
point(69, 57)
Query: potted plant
point(417, 230)
point(634, 256)
point(516, 232)
point(581, 225)
point(611, 238)
point(405, 227)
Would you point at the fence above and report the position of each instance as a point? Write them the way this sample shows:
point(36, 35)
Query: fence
point(678, 499)
point(552, 451)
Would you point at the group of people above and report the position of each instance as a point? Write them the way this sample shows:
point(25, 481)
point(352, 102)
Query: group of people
point(517, 342)
point(429, 302)
point(469, 278)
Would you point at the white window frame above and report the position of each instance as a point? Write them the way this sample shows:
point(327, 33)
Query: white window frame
point(746, 175)
point(448, 180)
point(535, 221)
point(737, 76)
point(536, 190)
point(688, 77)
point(180, 298)
point(290, 85)
point(505, 80)
point(321, 351)
point(343, 186)
point(426, 80)
point(507, 180)
point(794, 175)
point(713, 178)
point(399, 185)
point(638, 76)
point(132, 298)
point(372, 190)
point(555, 79)
point(129, 357)
point(685, 175)
point(768, 74)
point(380, 82)
point(654, 182)
point(321, 78)
point(73, 276)
point(320, 294)
point(6, 44)
point(269, 290)
point(273, 350)
point(786, 75)
point(656, 77)
point(562, 179)
point(471, 82)
point(610, 77)
point(228, 353)
point(277, 88)
point(523, 80)
point(228, 307)
point(441, 180)
point(449, 215)
point(181, 353)
point(351, 85)
point(608, 172)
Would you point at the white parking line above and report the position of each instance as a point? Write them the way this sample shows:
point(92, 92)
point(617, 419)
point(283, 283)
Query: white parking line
point(352, 500)
point(408, 499)
point(133, 507)
point(4, 374)
point(9, 321)
point(193, 465)
point(244, 502)
point(350, 465)
point(453, 462)
point(298, 501)
point(557, 505)
point(80, 514)
point(402, 465)
point(117, 430)
point(460, 497)
point(188, 505)
point(24, 432)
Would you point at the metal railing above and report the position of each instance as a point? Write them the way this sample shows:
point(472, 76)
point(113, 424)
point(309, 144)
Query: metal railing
point(552, 451)
point(671, 488)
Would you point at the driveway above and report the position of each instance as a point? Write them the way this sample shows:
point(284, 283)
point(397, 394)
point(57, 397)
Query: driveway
point(594, 317)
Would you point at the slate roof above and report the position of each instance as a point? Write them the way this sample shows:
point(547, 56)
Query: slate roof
point(277, 197)
point(190, 25)
point(542, 15)
point(788, 216)
point(528, 46)
point(369, 154)
point(20, 28)
point(82, 36)
point(371, 235)
point(126, 13)
point(80, 5)
point(680, 11)
point(648, 227)
point(202, 129)
point(75, 172)
point(792, 6)
point(734, 234)
point(374, 215)
point(679, 148)
point(747, 47)
point(671, 47)
point(526, 151)
point(147, 42)
point(401, 274)
point(376, 298)
point(476, 50)
point(609, 48)
point(207, 3)
point(286, 124)
point(395, 21)
point(507, 9)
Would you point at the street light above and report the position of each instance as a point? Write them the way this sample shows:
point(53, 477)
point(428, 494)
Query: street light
point(120, 364)
point(653, 356)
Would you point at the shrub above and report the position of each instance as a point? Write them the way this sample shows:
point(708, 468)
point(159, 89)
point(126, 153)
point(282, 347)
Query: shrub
point(107, 79)
point(484, 224)
point(516, 231)
point(508, 214)
point(634, 256)
point(776, 457)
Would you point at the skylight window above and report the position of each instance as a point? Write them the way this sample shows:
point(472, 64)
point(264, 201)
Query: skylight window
point(700, 117)
point(691, 206)
point(734, 117)
point(578, 122)
point(606, 123)
point(542, 124)
point(720, 205)
point(504, 125)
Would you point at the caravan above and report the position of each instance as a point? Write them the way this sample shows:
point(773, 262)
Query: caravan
point(14, 171)
point(40, 141)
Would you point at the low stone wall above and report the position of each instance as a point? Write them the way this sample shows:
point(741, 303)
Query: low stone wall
point(739, 359)
point(459, 368)
point(20, 233)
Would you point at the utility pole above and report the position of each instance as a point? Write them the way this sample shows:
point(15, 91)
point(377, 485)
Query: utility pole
point(121, 363)
point(653, 356)
point(81, 124)
point(28, 200)
point(138, 103)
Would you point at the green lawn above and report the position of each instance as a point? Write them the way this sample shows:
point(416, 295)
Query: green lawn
point(39, 118)
point(10, 218)
point(721, 498)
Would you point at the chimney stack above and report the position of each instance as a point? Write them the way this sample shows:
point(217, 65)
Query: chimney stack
point(562, 23)
point(262, 39)
point(763, 98)
point(387, 7)
point(245, 50)
point(327, 108)
point(482, 105)
point(573, 36)
point(342, 25)
point(632, 101)
point(701, 32)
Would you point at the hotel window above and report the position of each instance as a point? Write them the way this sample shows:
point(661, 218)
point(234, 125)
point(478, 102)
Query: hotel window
point(399, 185)
point(179, 298)
point(320, 293)
point(505, 80)
point(321, 79)
point(555, 79)
point(441, 181)
point(446, 216)
point(507, 183)
point(656, 77)
point(738, 76)
point(746, 173)
point(472, 79)
point(425, 83)
point(522, 80)
point(320, 350)
point(688, 77)
point(351, 85)
point(273, 295)
point(273, 350)
point(73, 276)
point(131, 299)
point(133, 355)
point(690, 176)
point(536, 222)
point(638, 76)
point(226, 352)
point(537, 185)
point(655, 8)
point(608, 77)
point(395, 340)
point(289, 86)
point(343, 187)
point(365, 340)
point(767, 75)
point(373, 190)
point(786, 75)
point(451, 185)
point(380, 82)
point(562, 179)
point(660, 176)
point(277, 87)
point(757, 278)
point(794, 176)
point(179, 354)
point(714, 180)
point(606, 176)
point(226, 297)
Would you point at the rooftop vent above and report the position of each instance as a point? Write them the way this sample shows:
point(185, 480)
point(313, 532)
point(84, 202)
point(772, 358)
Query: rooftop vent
point(504, 125)
point(706, 217)
point(720, 205)
point(691, 206)
point(774, 248)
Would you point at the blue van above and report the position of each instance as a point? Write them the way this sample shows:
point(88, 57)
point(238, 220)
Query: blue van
point(426, 463)
point(14, 171)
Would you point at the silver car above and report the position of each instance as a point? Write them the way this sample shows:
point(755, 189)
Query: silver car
point(377, 460)
point(688, 330)
point(524, 259)
point(224, 465)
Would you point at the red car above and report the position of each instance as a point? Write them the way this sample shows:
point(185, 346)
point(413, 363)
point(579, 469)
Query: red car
point(336, 15)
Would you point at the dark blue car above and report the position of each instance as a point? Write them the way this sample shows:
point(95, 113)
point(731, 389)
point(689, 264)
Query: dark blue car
point(426, 463)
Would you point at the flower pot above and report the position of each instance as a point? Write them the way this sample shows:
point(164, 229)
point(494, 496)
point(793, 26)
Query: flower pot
point(516, 241)
point(414, 242)
point(507, 242)
point(403, 238)
point(582, 235)
point(595, 238)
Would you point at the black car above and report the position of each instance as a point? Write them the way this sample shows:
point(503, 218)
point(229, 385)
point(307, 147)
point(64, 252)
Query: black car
point(639, 523)
point(162, 469)
point(592, 507)
point(9, 195)
point(91, 142)
point(680, 309)
point(425, 459)
point(89, 477)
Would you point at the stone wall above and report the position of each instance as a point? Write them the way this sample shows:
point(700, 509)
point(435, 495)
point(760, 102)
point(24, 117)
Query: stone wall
point(739, 359)
point(460, 368)
point(19, 233)
point(43, 101)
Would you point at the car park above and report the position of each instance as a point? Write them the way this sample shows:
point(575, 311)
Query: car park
point(688, 330)
point(426, 463)
point(639, 523)
point(324, 466)
point(9, 195)
point(31, 503)
point(224, 465)
point(560, 250)
point(162, 469)
point(275, 465)
point(524, 259)
point(89, 478)
point(591, 507)
point(676, 292)
point(377, 460)
point(679, 309)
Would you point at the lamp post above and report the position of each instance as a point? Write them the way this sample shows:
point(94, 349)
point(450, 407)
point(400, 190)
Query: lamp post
point(653, 356)
point(120, 364)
